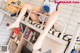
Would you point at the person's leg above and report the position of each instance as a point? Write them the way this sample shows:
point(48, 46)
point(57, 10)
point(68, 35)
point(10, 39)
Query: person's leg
point(35, 17)
point(42, 36)
point(22, 13)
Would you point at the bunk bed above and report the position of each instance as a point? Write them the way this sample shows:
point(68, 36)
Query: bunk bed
point(39, 27)
point(52, 33)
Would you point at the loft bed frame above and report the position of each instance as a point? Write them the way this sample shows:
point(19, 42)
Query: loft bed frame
point(59, 38)
point(56, 35)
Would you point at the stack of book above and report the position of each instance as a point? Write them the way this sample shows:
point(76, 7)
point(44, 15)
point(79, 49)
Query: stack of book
point(31, 35)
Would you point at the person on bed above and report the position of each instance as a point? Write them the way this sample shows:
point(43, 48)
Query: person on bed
point(45, 8)
point(25, 8)
point(49, 7)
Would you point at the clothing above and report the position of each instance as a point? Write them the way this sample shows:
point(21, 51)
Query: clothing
point(49, 7)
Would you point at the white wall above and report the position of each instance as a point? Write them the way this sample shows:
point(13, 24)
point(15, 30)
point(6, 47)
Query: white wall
point(4, 32)
point(36, 3)
point(70, 13)
point(52, 45)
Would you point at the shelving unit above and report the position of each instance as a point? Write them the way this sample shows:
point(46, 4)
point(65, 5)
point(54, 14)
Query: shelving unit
point(30, 26)
point(54, 39)
point(63, 42)
point(58, 40)
point(28, 42)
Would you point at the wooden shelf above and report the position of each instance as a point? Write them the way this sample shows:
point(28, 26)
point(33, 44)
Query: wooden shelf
point(28, 42)
point(32, 27)
point(63, 42)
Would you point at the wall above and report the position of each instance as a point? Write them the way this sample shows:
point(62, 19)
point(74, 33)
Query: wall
point(69, 14)
point(34, 2)
point(52, 45)
point(4, 32)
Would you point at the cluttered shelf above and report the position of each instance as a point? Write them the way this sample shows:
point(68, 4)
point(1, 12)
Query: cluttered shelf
point(38, 29)
point(31, 26)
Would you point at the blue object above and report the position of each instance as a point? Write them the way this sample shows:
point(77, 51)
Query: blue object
point(57, 6)
point(46, 8)
point(74, 51)
point(14, 14)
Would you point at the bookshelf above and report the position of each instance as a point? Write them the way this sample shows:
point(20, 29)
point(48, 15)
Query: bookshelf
point(23, 40)
point(28, 42)
point(63, 42)
point(56, 42)
point(29, 25)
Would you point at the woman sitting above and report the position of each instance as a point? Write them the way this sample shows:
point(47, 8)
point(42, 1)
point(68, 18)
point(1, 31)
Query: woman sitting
point(49, 8)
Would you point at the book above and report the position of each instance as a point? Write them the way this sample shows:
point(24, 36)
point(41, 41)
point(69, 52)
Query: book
point(28, 34)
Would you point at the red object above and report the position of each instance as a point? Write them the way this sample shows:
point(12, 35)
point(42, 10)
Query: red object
point(27, 36)
point(16, 30)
